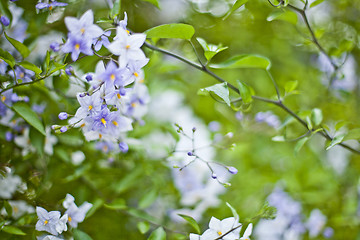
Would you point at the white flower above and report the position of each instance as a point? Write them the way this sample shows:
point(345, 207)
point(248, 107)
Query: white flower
point(48, 221)
point(247, 232)
point(50, 141)
point(9, 185)
point(75, 214)
point(19, 208)
point(223, 228)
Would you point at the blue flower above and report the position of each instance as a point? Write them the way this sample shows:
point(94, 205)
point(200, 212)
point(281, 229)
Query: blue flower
point(4, 20)
point(75, 214)
point(50, 5)
point(84, 26)
point(50, 221)
point(77, 44)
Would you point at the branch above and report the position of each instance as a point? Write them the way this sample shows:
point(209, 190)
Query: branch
point(235, 89)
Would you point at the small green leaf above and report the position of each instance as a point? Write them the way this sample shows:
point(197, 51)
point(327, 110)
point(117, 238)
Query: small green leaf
point(116, 9)
point(143, 227)
point(267, 211)
point(300, 144)
point(191, 221)
point(153, 2)
point(245, 61)
point(352, 134)
point(210, 50)
point(336, 140)
point(287, 16)
point(290, 86)
point(148, 199)
point(37, 140)
point(7, 57)
point(235, 7)
point(8, 208)
point(13, 230)
point(31, 67)
point(80, 235)
point(316, 116)
point(315, 3)
point(58, 68)
point(118, 204)
point(22, 49)
point(174, 30)
point(142, 215)
point(234, 212)
point(29, 115)
point(158, 234)
point(220, 90)
point(245, 92)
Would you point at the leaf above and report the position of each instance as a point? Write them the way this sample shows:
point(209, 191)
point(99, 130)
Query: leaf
point(235, 7)
point(8, 208)
point(115, 11)
point(80, 235)
point(174, 30)
point(118, 204)
point(13, 230)
point(128, 181)
point(220, 89)
point(143, 227)
point(210, 50)
point(7, 57)
point(158, 234)
point(278, 139)
point(234, 212)
point(245, 92)
point(37, 140)
point(31, 67)
point(245, 61)
point(142, 215)
point(191, 221)
point(287, 16)
point(336, 140)
point(29, 115)
point(96, 205)
point(153, 2)
point(22, 49)
point(316, 116)
point(300, 144)
point(315, 3)
point(352, 134)
point(4, 9)
point(148, 199)
point(58, 68)
point(290, 86)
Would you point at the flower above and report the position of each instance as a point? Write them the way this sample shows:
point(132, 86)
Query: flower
point(4, 20)
point(103, 40)
point(247, 232)
point(63, 115)
point(76, 45)
point(219, 228)
point(50, 5)
point(9, 185)
point(84, 27)
point(75, 214)
point(49, 221)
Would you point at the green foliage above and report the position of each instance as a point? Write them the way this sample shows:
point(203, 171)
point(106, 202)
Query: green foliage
point(7, 57)
point(287, 16)
point(158, 234)
point(29, 115)
point(192, 222)
point(116, 9)
point(235, 7)
point(210, 50)
point(23, 50)
point(174, 30)
point(220, 89)
point(244, 61)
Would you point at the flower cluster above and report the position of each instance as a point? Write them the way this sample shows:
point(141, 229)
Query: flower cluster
point(117, 96)
point(53, 223)
point(227, 229)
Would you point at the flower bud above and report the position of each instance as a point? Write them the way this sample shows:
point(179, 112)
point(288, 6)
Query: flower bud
point(55, 46)
point(69, 70)
point(55, 127)
point(5, 21)
point(214, 176)
point(63, 115)
point(232, 170)
point(63, 129)
point(8, 136)
point(190, 154)
point(123, 147)
point(88, 77)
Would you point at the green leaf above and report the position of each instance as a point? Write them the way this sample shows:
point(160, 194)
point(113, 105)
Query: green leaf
point(352, 134)
point(96, 205)
point(234, 212)
point(128, 181)
point(315, 3)
point(287, 16)
point(158, 234)
point(316, 116)
point(148, 199)
point(143, 227)
point(8, 208)
point(336, 140)
point(13, 230)
point(118, 204)
point(31, 67)
point(153, 2)
point(291, 86)
point(37, 140)
point(116, 9)
point(58, 68)
point(7, 57)
point(235, 7)
point(191, 221)
point(245, 92)
point(210, 50)
point(300, 144)
point(142, 215)
point(22, 49)
point(220, 90)
point(29, 115)
point(245, 61)
point(80, 235)
point(174, 30)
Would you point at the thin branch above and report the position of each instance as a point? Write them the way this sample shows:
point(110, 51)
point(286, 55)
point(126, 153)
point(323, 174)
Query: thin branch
point(277, 103)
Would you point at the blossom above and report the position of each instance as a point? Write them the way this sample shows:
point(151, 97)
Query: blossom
point(88, 105)
point(134, 69)
point(247, 232)
point(50, 5)
point(50, 221)
point(103, 40)
point(9, 185)
point(113, 76)
point(76, 45)
point(23, 74)
point(127, 46)
point(316, 222)
point(49, 237)
point(84, 27)
point(5, 20)
point(75, 214)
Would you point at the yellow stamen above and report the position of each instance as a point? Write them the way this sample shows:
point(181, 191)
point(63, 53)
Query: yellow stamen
point(82, 125)
point(3, 98)
point(46, 222)
point(90, 107)
point(136, 74)
point(141, 81)
point(105, 148)
point(133, 104)
point(69, 219)
point(82, 30)
point(118, 95)
point(22, 75)
point(103, 121)
point(50, 8)
point(127, 46)
point(219, 233)
point(115, 123)
point(77, 46)
point(100, 135)
point(112, 77)
point(16, 210)
point(128, 32)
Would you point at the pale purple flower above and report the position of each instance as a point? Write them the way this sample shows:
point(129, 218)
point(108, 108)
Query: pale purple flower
point(112, 76)
point(55, 46)
point(105, 146)
point(3, 67)
point(84, 27)
point(269, 118)
point(134, 69)
point(76, 45)
point(50, 5)
point(123, 147)
point(232, 170)
point(75, 214)
point(63, 115)
point(22, 74)
point(316, 222)
point(48, 221)
point(103, 40)
point(63, 129)
point(5, 20)
point(88, 105)
point(328, 232)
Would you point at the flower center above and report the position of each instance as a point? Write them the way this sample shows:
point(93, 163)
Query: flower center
point(112, 77)
point(115, 123)
point(90, 107)
point(22, 75)
point(219, 233)
point(133, 105)
point(82, 125)
point(50, 8)
point(46, 222)
point(118, 95)
point(105, 148)
point(69, 219)
point(103, 121)
point(127, 46)
point(82, 30)
point(77, 46)
point(136, 74)
point(3, 98)
point(128, 32)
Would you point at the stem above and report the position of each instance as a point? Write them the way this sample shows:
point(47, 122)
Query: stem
point(277, 103)
point(221, 237)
